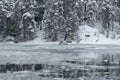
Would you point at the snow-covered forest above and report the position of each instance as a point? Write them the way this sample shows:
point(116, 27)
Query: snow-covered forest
point(30, 31)
point(59, 20)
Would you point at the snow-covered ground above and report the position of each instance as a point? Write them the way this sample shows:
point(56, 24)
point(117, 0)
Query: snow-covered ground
point(91, 35)
point(88, 35)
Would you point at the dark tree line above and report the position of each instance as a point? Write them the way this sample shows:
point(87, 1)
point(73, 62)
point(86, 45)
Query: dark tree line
point(59, 19)
point(19, 19)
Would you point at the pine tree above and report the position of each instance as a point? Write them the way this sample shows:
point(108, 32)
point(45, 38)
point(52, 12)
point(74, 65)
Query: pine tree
point(106, 17)
point(53, 21)
point(39, 12)
point(118, 10)
point(61, 17)
point(28, 25)
point(15, 19)
point(71, 18)
point(3, 18)
point(79, 10)
point(91, 12)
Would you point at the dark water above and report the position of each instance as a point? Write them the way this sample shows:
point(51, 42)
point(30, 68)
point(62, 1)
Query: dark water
point(107, 66)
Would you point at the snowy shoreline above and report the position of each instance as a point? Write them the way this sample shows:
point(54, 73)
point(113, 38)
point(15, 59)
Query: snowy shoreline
point(114, 42)
point(94, 37)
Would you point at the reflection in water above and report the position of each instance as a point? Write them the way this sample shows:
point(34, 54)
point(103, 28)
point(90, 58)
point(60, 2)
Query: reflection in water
point(103, 66)
point(86, 66)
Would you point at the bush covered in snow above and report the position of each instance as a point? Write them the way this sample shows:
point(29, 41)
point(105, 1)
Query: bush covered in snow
point(88, 33)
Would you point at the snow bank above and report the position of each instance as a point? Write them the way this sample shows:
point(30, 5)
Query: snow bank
point(38, 40)
point(89, 35)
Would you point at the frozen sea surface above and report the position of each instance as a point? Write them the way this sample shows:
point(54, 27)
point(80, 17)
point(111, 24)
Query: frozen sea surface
point(59, 62)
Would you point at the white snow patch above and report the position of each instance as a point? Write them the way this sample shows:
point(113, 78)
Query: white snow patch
point(39, 40)
point(9, 14)
point(27, 14)
point(89, 35)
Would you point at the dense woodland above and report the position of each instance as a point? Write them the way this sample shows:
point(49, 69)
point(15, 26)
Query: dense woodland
point(59, 19)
